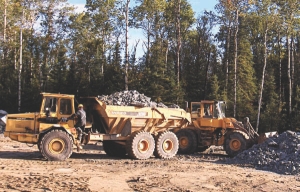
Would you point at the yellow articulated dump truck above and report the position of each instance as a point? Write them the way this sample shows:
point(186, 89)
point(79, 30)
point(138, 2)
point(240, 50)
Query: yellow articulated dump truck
point(210, 126)
point(137, 131)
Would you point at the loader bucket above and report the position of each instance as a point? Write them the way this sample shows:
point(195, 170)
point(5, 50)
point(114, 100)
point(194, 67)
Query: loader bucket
point(264, 136)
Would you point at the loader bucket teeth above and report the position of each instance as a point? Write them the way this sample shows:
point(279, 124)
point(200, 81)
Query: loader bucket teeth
point(264, 136)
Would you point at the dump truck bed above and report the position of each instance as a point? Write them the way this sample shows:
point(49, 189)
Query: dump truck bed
point(124, 120)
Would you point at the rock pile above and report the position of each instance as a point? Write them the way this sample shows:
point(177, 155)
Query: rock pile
point(280, 154)
point(131, 97)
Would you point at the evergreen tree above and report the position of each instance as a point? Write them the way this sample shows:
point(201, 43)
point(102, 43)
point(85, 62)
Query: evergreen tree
point(246, 81)
point(270, 119)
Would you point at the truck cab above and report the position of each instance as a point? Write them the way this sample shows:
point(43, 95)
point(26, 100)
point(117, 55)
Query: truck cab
point(54, 111)
point(55, 108)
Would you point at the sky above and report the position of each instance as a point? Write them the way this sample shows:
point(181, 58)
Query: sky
point(198, 6)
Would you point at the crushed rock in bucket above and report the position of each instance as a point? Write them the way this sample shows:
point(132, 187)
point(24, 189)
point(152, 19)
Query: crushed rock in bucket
point(132, 97)
point(280, 154)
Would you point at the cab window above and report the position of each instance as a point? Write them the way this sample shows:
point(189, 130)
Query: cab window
point(208, 110)
point(65, 107)
point(195, 107)
point(50, 104)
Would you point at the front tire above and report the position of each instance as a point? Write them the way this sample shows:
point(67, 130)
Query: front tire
point(140, 145)
point(166, 145)
point(187, 141)
point(56, 145)
point(235, 143)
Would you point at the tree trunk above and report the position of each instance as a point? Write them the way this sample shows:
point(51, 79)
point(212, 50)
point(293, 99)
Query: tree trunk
point(289, 75)
point(126, 46)
point(235, 61)
point(102, 58)
point(262, 79)
point(148, 45)
point(227, 56)
point(292, 62)
point(20, 66)
point(166, 54)
point(15, 53)
point(206, 74)
point(178, 41)
point(4, 29)
point(280, 73)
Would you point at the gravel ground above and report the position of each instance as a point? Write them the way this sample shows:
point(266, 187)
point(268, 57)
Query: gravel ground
point(22, 168)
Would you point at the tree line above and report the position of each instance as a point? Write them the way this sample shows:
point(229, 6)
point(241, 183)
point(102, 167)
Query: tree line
point(245, 52)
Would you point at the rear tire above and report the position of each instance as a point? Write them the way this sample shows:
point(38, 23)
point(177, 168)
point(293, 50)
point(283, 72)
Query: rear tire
point(114, 149)
point(140, 145)
point(56, 145)
point(235, 143)
point(166, 145)
point(187, 141)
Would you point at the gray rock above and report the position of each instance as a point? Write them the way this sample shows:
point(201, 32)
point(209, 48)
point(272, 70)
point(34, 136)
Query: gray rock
point(280, 154)
point(131, 98)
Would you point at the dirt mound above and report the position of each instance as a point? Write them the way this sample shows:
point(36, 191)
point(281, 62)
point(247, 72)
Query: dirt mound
point(280, 154)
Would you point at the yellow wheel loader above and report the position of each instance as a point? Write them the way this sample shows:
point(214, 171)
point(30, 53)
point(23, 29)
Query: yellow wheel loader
point(210, 127)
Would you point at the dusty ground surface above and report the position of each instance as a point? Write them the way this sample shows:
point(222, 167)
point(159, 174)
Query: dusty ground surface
point(22, 168)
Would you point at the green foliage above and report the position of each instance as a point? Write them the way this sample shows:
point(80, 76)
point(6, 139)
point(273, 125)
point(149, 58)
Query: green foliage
point(247, 84)
point(270, 118)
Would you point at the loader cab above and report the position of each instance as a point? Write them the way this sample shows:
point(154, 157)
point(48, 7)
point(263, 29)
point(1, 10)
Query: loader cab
point(208, 109)
point(208, 113)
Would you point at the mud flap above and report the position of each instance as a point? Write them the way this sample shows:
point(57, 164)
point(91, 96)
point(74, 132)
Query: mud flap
point(126, 129)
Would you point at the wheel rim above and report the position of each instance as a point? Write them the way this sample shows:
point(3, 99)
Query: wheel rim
point(235, 144)
point(167, 145)
point(56, 146)
point(143, 146)
point(183, 142)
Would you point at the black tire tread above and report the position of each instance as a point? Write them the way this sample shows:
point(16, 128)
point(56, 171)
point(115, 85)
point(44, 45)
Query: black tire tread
point(235, 135)
point(191, 136)
point(131, 145)
point(159, 139)
point(54, 134)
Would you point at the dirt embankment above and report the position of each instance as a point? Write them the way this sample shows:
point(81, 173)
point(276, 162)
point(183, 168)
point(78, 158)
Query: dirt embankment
point(22, 168)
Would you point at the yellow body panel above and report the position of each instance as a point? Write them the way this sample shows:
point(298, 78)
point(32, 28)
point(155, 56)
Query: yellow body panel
point(141, 118)
point(23, 123)
point(22, 137)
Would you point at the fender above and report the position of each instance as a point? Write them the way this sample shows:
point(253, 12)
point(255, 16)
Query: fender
point(56, 126)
